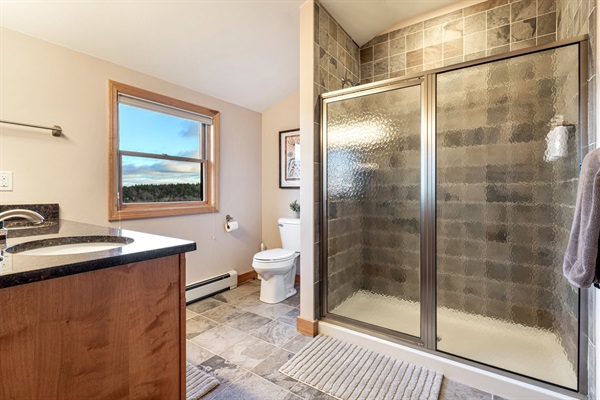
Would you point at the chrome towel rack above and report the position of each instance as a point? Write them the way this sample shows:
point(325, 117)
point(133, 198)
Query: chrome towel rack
point(56, 130)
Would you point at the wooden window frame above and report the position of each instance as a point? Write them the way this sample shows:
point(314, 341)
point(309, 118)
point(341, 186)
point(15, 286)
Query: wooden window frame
point(117, 210)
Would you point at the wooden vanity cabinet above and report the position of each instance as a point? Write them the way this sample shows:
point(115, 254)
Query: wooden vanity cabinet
point(112, 333)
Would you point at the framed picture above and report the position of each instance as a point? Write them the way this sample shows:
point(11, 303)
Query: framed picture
point(289, 159)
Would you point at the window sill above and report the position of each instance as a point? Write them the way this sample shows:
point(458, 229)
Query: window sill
point(139, 211)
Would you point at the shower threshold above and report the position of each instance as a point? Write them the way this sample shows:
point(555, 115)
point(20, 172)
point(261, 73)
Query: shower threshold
point(528, 351)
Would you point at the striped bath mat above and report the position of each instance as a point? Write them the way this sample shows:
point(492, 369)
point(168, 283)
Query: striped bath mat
point(348, 372)
point(197, 383)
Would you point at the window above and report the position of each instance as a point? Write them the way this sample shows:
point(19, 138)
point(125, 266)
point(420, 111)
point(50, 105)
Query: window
point(163, 155)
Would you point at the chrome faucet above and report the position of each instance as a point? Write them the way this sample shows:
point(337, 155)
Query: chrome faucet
point(16, 213)
point(20, 213)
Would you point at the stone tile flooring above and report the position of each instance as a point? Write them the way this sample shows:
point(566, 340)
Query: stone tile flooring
point(242, 342)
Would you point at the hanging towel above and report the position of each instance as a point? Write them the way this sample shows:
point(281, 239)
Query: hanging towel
point(580, 257)
point(556, 143)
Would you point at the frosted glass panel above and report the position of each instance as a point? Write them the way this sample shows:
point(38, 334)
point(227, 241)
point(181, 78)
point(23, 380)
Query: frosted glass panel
point(505, 202)
point(373, 145)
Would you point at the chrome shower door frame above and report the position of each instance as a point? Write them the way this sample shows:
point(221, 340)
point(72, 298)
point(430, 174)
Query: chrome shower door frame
point(428, 287)
point(405, 83)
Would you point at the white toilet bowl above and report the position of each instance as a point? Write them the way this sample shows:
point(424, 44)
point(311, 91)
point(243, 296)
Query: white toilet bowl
point(277, 271)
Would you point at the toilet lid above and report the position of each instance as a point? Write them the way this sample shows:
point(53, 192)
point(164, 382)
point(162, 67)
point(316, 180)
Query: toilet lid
point(275, 255)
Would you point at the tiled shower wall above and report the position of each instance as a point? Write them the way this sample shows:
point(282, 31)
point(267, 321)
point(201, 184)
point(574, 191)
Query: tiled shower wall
point(484, 29)
point(376, 172)
point(336, 54)
point(497, 26)
point(487, 28)
point(578, 17)
point(503, 211)
point(344, 257)
point(336, 57)
point(575, 18)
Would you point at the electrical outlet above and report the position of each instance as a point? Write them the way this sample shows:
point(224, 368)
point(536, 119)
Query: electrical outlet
point(6, 181)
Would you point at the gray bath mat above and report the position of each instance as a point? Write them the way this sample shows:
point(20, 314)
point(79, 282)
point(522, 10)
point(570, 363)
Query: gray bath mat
point(348, 372)
point(197, 383)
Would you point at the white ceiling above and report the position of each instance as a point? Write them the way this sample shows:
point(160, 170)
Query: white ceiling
point(245, 52)
point(365, 19)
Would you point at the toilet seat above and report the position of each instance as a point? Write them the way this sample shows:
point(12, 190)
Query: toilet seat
point(275, 255)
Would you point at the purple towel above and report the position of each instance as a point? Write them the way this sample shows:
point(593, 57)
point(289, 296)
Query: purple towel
point(580, 257)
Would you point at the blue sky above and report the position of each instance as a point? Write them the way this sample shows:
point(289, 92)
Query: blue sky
point(152, 132)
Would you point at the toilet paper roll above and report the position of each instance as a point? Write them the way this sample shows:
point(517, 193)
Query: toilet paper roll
point(231, 226)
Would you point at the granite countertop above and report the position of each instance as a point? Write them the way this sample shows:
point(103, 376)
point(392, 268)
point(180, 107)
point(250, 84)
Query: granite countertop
point(18, 269)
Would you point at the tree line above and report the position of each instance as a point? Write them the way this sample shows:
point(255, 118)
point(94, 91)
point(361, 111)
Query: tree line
point(155, 193)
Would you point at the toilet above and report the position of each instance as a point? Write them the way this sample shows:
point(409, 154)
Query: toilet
point(277, 267)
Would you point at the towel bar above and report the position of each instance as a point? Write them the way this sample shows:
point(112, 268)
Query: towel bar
point(56, 130)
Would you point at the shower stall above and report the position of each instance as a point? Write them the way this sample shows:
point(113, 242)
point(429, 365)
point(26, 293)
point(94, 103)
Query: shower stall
point(447, 202)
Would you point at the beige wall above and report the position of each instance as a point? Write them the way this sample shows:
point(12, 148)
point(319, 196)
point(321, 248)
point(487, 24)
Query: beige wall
point(283, 116)
point(42, 83)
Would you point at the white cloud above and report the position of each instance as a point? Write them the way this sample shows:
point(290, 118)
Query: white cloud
point(160, 172)
point(190, 129)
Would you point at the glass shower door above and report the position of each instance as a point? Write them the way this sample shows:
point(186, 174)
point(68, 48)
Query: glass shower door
point(506, 188)
point(372, 189)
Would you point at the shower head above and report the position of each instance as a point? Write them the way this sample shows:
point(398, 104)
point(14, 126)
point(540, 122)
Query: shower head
point(348, 82)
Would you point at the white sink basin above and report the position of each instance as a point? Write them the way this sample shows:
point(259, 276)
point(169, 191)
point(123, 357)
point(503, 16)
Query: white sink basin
point(69, 245)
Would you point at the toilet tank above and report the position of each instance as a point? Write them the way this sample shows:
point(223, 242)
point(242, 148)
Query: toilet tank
point(289, 230)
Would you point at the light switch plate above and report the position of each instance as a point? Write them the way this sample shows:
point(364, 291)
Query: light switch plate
point(6, 181)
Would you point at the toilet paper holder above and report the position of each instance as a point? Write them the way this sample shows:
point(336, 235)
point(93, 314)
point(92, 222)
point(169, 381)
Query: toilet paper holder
point(231, 224)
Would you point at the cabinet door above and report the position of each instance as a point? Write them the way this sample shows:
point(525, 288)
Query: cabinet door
point(111, 334)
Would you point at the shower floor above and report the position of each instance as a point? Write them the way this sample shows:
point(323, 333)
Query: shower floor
point(528, 351)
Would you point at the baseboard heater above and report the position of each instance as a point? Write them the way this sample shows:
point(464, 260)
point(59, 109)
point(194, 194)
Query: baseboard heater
point(208, 287)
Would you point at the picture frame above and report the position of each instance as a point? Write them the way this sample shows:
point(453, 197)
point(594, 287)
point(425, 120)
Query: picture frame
point(289, 159)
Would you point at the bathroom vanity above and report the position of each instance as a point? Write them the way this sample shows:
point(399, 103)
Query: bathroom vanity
point(107, 324)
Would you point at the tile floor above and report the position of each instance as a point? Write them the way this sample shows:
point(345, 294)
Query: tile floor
point(242, 342)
